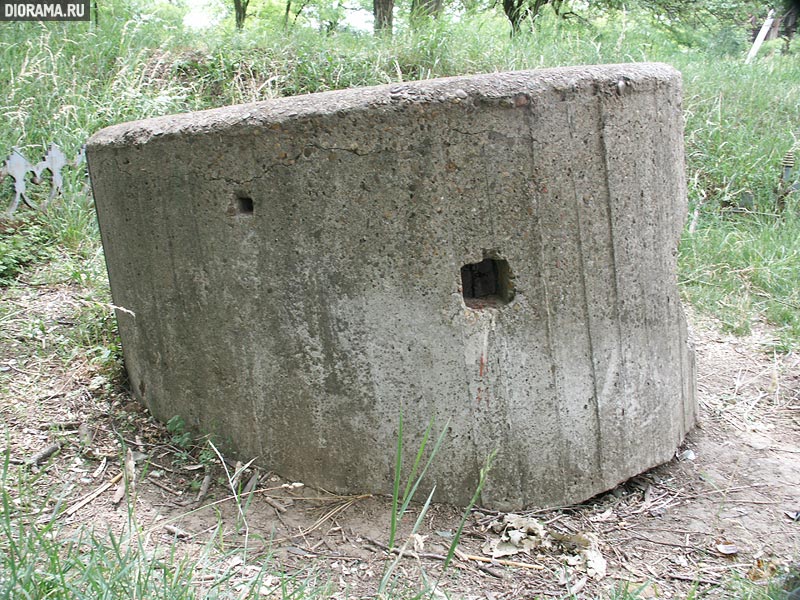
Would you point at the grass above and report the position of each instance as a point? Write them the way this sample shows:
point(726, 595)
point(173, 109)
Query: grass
point(41, 559)
point(21, 245)
point(741, 268)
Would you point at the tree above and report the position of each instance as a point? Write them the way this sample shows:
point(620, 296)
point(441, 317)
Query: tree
point(422, 10)
point(670, 14)
point(240, 12)
point(518, 10)
point(382, 11)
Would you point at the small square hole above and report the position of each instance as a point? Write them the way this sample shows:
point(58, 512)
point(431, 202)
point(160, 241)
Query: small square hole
point(244, 205)
point(487, 283)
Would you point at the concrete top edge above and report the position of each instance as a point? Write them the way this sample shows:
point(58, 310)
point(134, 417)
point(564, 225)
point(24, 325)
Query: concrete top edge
point(490, 86)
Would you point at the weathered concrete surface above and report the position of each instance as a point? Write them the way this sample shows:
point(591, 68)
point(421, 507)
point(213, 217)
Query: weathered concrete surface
point(295, 271)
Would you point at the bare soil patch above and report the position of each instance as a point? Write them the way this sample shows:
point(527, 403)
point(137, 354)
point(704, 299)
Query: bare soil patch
point(725, 507)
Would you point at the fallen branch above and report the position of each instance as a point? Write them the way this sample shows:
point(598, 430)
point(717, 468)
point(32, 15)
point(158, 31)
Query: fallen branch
point(406, 553)
point(498, 561)
point(89, 497)
point(692, 579)
point(43, 455)
point(163, 486)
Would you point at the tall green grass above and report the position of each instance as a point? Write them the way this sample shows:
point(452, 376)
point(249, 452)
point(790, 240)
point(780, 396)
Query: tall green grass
point(745, 268)
point(742, 262)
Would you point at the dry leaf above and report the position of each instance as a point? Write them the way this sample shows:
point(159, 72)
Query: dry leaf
point(588, 546)
point(498, 549)
point(100, 468)
point(604, 516)
point(577, 586)
point(573, 560)
point(525, 534)
point(85, 435)
point(596, 565)
point(515, 536)
point(518, 534)
point(119, 493)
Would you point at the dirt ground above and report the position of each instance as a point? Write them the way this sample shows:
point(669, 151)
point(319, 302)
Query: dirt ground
point(726, 507)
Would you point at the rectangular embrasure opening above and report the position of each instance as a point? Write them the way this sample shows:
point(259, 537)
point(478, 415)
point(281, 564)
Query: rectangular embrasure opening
point(487, 283)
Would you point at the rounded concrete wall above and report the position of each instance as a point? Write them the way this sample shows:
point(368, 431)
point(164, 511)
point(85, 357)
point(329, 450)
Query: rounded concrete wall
point(495, 253)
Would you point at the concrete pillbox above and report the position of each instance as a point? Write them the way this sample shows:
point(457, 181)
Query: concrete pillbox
point(495, 252)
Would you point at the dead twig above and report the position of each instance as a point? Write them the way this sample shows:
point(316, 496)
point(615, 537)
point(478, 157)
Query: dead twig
point(691, 579)
point(406, 553)
point(163, 468)
point(91, 496)
point(280, 508)
point(498, 561)
point(163, 486)
point(178, 533)
point(335, 511)
point(61, 425)
point(43, 455)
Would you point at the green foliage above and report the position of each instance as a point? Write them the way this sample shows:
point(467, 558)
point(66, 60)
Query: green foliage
point(95, 333)
point(745, 267)
point(729, 42)
point(778, 588)
point(415, 477)
point(180, 436)
point(482, 479)
point(22, 243)
point(740, 121)
point(400, 503)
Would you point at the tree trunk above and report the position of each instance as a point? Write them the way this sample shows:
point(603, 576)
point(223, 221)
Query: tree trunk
point(240, 12)
point(790, 22)
point(517, 10)
point(422, 10)
point(382, 11)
